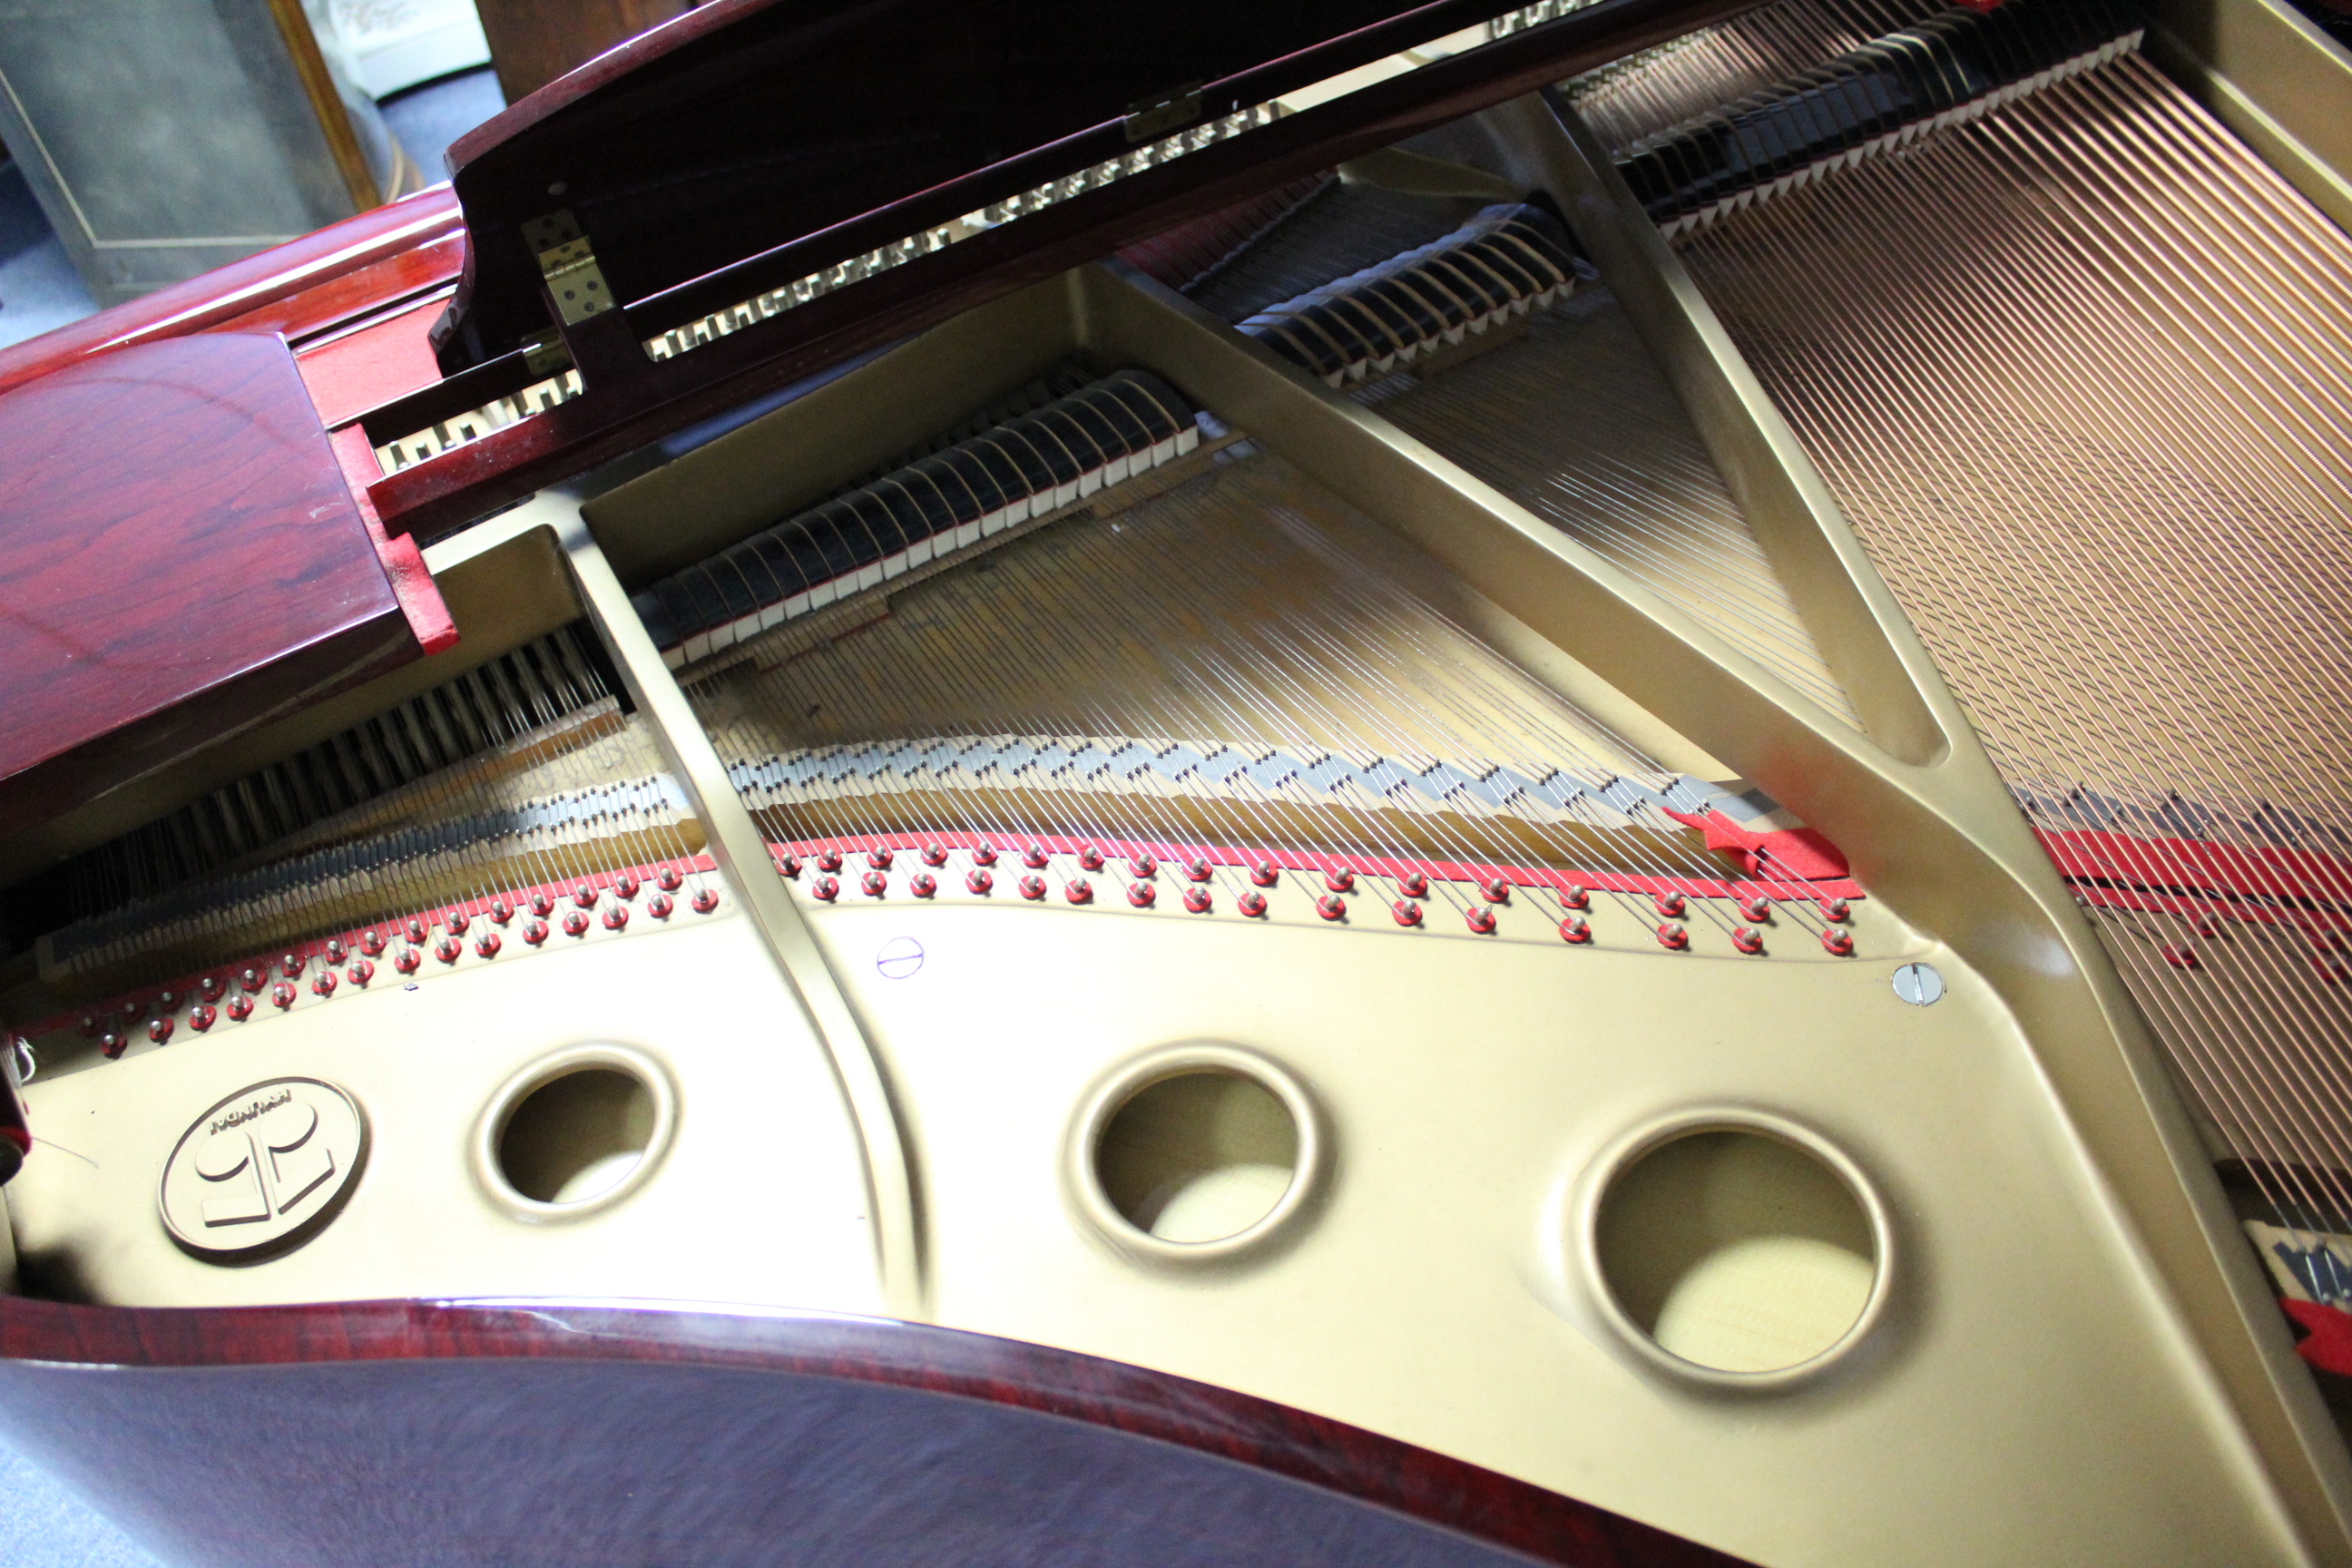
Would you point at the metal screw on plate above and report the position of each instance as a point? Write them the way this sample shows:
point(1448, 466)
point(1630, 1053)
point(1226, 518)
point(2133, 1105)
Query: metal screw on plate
point(1919, 984)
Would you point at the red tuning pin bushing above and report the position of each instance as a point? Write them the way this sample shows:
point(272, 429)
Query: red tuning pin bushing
point(1197, 870)
point(1756, 909)
point(705, 900)
point(1838, 943)
point(282, 994)
point(541, 905)
point(660, 905)
point(670, 880)
point(616, 916)
point(1672, 906)
point(416, 930)
point(1576, 931)
point(1836, 909)
point(111, 1045)
point(252, 980)
point(625, 887)
point(407, 962)
point(1090, 857)
point(456, 922)
point(1672, 936)
point(1143, 866)
point(825, 890)
point(324, 985)
point(535, 932)
point(1265, 873)
point(878, 858)
point(1497, 889)
point(1033, 857)
point(575, 922)
point(502, 911)
point(1339, 879)
point(984, 853)
point(1414, 885)
point(373, 944)
point(923, 884)
point(239, 1008)
point(1252, 904)
point(584, 894)
point(1748, 940)
point(1406, 912)
point(788, 867)
point(448, 950)
point(292, 965)
point(210, 988)
point(1331, 907)
point(978, 881)
point(361, 971)
point(488, 944)
point(1032, 888)
point(1480, 920)
point(335, 950)
point(1078, 890)
point(935, 855)
point(873, 884)
point(1198, 901)
point(828, 861)
point(160, 1031)
point(1141, 894)
point(200, 1017)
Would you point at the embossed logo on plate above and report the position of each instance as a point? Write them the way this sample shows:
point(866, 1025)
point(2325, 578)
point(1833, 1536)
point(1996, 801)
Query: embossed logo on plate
point(264, 1170)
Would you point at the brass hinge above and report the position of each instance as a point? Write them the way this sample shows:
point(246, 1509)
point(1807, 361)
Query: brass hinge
point(1149, 117)
point(573, 280)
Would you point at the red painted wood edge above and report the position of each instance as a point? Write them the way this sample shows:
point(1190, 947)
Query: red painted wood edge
point(429, 620)
point(1305, 1447)
point(1800, 852)
point(242, 288)
point(2327, 1339)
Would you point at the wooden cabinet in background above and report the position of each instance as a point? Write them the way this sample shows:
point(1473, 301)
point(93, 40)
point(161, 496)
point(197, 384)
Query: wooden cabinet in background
point(532, 42)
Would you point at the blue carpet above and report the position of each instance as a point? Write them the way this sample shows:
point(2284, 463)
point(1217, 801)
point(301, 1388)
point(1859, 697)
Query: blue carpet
point(46, 1526)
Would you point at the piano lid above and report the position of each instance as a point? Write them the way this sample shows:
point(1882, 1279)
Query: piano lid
point(764, 185)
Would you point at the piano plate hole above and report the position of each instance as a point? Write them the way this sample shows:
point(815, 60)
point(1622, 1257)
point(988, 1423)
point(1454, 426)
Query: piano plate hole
point(1742, 1253)
point(574, 1132)
point(1196, 1153)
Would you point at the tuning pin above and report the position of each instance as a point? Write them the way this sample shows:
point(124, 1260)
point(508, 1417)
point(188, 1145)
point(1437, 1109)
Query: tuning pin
point(575, 922)
point(110, 1044)
point(373, 944)
point(1496, 889)
point(1078, 890)
point(1251, 903)
point(616, 916)
point(1414, 885)
point(416, 930)
point(335, 950)
point(1141, 865)
point(1198, 901)
point(160, 1030)
point(659, 906)
point(408, 960)
point(873, 884)
point(1672, 906)
point(1672, 936)
point(923, 884)
point(934, 854)
point(1141, 894)
point(1197, 870)
point(239, 1008)
point(210, 988)
point(978, 881)
point(1838, 943)
point(1090, 857)
point(828, 861)
point(670, 880)
point(282, 994)
point(448, 950)
point(325, 982)
point(456, 921)
point(1263, 872)
point(200, 1017)
point(1748, 940)
point(501, 911)
point(984, 853)
point(1033, 857)
point(705, 900)
point(1480, 920)
point(1575, 897)
point(1836, 909)
point(1339, 879)
point(534, 931)
point(1331, 907)
point(878, 858)
point(543, 905)
point(488, 944)
point(361, 971)
point(1032, 888)
point(1576, 931)
point(584, 894)
point(825, 890)
point(1756, 910)
point(252, 980)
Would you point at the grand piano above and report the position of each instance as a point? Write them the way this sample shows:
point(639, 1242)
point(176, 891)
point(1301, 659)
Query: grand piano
point(1319, 782)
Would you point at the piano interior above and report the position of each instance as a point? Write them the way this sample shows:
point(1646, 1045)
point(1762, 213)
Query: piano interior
point(1468, 774)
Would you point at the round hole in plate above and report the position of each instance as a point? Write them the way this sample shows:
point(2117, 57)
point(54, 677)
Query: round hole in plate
point(1196, 1153)
point(574, 1132)
point(1742, 1252)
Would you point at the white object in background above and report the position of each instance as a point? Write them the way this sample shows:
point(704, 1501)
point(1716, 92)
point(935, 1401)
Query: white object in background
point(394, 43)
